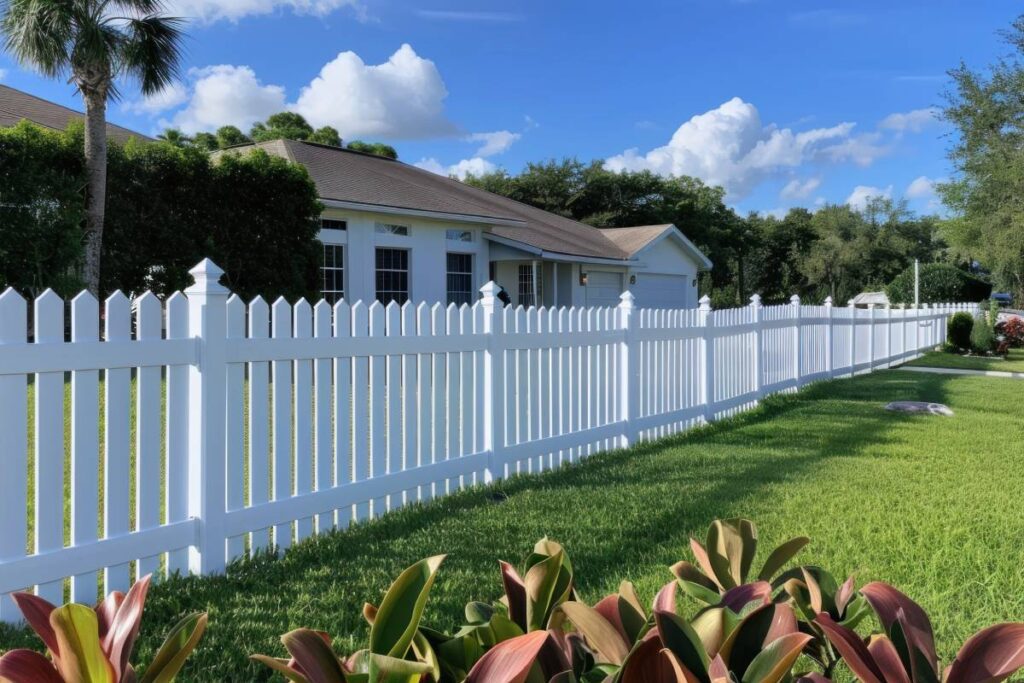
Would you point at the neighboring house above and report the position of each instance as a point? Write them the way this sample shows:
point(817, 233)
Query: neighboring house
point(866, 299)
point(16, 105)
point(395, 232)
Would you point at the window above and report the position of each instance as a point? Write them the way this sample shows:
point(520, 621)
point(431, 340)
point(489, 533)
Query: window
point(332, 224)
point(333, 273)
point(392, 229)
point(392, 275)
point(527, 297)
point(460, 279)
point(459, 235)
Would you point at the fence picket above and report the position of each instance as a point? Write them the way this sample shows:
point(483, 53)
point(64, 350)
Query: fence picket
point(85, 456)
point(302, 328)
point(322, 436)
point(148, 324)
point(259, 422)
point(235, 424)
point(176, 432)
point(116, 447)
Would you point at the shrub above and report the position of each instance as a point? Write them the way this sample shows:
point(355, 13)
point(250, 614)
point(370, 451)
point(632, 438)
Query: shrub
point(753, 632)
point(1012, 331)
point(982, 336)
point(168, 207)
point(93, 645)
point(958, 331)
point(940, 283)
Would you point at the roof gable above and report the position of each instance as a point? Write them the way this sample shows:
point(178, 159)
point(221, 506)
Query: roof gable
point(16, 105)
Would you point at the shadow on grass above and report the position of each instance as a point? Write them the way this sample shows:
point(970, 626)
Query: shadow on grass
point(619, 514)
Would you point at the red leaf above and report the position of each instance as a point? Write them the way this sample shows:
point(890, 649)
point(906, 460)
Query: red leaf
point(783, 624)
point(990, 655)
point(647, 664)
point(852, 649)
point(665, 600)
point(703, 560)
point(26, 666)
point(609, 609)
point(887, 602)
point(515, 593)
point(739, 597)
point(37, 613)
point(509, 661)
point(813, 677)
point(124, 627)
point(106, 610)
point(888, 659)
point(843, 595)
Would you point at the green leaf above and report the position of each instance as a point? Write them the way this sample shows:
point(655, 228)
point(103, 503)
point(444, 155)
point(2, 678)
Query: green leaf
point(385, 669)
point(76, 628)
point(398, 616)
point(780, 556)
point(773, 663)
point(540, 582)
point(682, 640)
point(713, 626)
point(601, 635)
point(176, 648)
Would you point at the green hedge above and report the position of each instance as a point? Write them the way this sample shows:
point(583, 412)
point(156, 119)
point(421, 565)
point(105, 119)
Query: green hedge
point(255, 215)
point(940, 283)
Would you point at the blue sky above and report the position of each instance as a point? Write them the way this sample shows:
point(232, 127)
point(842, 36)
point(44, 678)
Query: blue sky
point(783, 102)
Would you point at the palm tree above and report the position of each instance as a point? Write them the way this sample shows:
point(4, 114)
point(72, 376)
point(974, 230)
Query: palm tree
point(95, 44)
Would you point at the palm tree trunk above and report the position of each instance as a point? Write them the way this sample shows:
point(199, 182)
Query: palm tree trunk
point(96, 187)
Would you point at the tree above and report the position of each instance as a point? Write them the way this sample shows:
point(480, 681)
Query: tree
point(205, 141)
point(228, 136)
point(378, 148)
point(96, 44)
point(285, 124)
point(987, 112)
point(326, 136)
point(175, 137)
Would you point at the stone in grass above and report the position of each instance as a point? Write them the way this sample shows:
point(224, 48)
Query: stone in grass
point(919, 407)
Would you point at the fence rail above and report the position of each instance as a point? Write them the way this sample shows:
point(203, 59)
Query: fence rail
point(201, 429)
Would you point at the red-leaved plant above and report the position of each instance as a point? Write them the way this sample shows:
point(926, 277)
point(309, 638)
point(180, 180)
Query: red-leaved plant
point(94, 644)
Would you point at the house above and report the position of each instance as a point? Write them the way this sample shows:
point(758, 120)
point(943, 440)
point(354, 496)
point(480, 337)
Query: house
point(869, 299)
point(395, 232)
point(16, 105)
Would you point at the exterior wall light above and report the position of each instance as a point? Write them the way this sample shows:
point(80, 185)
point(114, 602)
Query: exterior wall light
point(632, 279)
point(583, 279)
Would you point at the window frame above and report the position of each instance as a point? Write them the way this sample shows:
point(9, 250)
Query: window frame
point(337, 270)
point(524, 288)
point(396, 229)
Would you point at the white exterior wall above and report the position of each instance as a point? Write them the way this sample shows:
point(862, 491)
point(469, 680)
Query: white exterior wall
point(667, 257)
point(426, 243)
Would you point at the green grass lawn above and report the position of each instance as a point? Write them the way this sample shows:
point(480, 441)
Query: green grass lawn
point(928, 503)
point(1014, 362)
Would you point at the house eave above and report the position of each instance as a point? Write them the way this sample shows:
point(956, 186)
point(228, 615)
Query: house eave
point(557, 256)
point(420, 213)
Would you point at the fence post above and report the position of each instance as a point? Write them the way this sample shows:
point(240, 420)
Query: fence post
point(629, 371)
point(829, 364)
point(888, 335)
point(871, 337)
point(707, 347)
point(207, 323)
point(853, 336)
point(794, 301)
point(755, 306)
point(493, 382)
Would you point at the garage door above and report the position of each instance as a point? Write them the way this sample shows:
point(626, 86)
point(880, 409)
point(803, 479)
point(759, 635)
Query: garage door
point(603, 288)
point(655, 290)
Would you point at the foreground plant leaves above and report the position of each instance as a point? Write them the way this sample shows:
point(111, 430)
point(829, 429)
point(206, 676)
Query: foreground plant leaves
point(399, 614)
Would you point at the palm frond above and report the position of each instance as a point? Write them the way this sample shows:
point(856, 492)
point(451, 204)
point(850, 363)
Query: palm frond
point(152, 51)
point(39, 32)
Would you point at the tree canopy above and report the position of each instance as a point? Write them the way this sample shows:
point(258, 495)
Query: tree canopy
point(987, 113)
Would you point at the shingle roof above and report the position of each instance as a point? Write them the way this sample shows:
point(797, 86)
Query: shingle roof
point(631, 240)
point(348, 176)
point(16, 105)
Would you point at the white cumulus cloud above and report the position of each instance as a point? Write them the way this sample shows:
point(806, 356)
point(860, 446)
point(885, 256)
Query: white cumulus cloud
point(920, 188)
point(475, 166)
point(401, 98)
point(729, 146)
point(495, 142)
point(800, 189)
point(226, 94)
point(910, 122)
point(210, 11)
point(858, 199)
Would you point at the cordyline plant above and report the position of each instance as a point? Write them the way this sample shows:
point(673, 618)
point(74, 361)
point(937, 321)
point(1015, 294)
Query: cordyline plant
point(742, 632)
point(93, 645)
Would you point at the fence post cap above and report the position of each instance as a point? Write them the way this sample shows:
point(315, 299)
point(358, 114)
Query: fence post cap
point(850, 303)
point(755, 300)
point(828, 301)
point(626, 300)
point(795, 300)
point(705, 303)
point(207, 276)
point(490, 290)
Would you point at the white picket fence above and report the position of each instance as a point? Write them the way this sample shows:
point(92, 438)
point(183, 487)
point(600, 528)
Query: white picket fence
point(203, 429)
